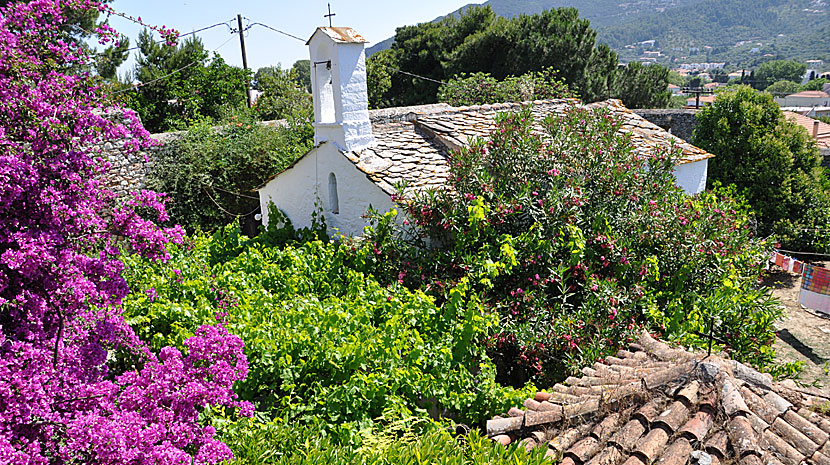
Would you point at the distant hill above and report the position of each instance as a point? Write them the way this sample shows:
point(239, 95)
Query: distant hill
point(742, 32)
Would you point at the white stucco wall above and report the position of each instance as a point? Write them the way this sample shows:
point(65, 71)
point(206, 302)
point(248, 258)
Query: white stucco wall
point(692, 176)
point(296, 190)
point(348, 122)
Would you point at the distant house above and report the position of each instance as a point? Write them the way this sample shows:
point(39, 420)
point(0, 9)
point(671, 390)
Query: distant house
point(812, 112)
point(713, 85)
point(815, 64)
point(360, 158)
point(703, 101)
point(818, 130)
point(675, 89)
point(807, 98)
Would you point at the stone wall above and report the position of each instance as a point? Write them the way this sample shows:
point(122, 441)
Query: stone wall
point(680, 122)
point(128, 171)
point(825, 157)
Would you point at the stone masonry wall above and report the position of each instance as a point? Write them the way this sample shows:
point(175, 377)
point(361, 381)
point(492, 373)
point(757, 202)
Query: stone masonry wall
point(680, 122)
point(128, 171)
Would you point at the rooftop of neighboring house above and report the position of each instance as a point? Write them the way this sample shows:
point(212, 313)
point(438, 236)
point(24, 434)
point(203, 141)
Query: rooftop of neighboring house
point(412, 144)
point(656, 404)
point(704, 99)
point(810, 94)
point(818, 130)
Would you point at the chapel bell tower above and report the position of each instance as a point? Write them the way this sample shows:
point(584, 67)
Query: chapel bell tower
point(338, 87)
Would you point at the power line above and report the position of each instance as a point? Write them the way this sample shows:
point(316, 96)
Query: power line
point(415, 75)
point(387, 66)
point(276, 30)
point(142, 84)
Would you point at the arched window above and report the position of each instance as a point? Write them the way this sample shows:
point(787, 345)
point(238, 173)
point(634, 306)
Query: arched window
point(334, 202)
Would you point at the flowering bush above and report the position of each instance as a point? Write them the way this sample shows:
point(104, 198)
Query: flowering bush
point(63, 399)
point(577, 241)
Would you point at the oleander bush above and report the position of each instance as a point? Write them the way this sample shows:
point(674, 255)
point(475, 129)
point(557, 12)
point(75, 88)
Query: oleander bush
point(577, 242)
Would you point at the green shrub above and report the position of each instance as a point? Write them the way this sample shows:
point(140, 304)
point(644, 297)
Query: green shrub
point(577, 241)
point(210, 171)
point(406, 441)
point(482, 88)
point(325, 343)
point(773, 164)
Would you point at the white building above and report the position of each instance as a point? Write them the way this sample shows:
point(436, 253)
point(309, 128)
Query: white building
point(360, 158)
point(807, 98)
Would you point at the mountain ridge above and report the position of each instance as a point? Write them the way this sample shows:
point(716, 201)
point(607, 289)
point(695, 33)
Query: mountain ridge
point(716, 28)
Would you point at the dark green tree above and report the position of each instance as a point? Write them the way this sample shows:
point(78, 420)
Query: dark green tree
point(778, 70)
point(182, 84)
point(643, 86)
point(772, 162)
point(379, 71)
point(783, 88)
point(479, 41)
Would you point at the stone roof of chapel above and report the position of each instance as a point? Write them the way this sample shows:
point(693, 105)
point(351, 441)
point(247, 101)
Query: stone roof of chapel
point(657, 405)
point(412, 143)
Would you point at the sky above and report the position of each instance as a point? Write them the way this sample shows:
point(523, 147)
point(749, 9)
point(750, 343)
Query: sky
point(375, 20)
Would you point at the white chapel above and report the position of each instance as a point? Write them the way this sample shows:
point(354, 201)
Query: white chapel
point(359, 156)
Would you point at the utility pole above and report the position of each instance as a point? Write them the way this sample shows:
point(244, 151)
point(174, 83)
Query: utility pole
point(244, 58)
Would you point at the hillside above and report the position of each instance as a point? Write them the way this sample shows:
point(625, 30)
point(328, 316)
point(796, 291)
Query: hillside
point(739, 32)
point(735, 31)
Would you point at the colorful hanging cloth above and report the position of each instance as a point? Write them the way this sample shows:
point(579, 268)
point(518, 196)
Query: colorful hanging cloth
point(815, 289)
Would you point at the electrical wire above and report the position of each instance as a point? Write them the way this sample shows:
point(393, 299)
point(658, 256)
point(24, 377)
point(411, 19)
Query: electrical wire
point(226, 23)
point(276, 30)
point(143, 84)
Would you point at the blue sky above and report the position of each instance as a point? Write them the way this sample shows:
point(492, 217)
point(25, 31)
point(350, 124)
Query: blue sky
point(374, 19)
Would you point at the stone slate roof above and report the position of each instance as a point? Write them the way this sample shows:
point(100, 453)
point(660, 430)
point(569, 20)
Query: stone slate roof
point(658, 405)
point(413, 143)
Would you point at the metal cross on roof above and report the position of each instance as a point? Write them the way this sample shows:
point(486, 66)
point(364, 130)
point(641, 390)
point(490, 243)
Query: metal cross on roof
point(330, 14)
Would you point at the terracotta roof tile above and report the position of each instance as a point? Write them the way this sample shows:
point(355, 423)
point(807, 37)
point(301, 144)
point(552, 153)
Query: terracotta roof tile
point(674, 408)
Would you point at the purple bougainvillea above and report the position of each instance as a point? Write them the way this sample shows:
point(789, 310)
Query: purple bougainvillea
point(63, 397)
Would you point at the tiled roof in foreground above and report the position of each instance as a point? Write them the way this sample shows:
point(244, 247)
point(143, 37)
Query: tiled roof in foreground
point(657, 405)
point(412, 143)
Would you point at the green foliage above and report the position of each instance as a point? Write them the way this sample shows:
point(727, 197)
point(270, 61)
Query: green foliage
point(327, 345)
point(482, 88)
point(642, 86)
point(187, 85)
point(479, 41)
point(815, 84)
point(577, 242)
point(283, 97)
point(209, 172)
point(407, 441)
point(773, 164)
point(783, 88)
point(379, 78)
point(301, 72)
point(778, 70)
point(784, 28)
point(111, 58)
